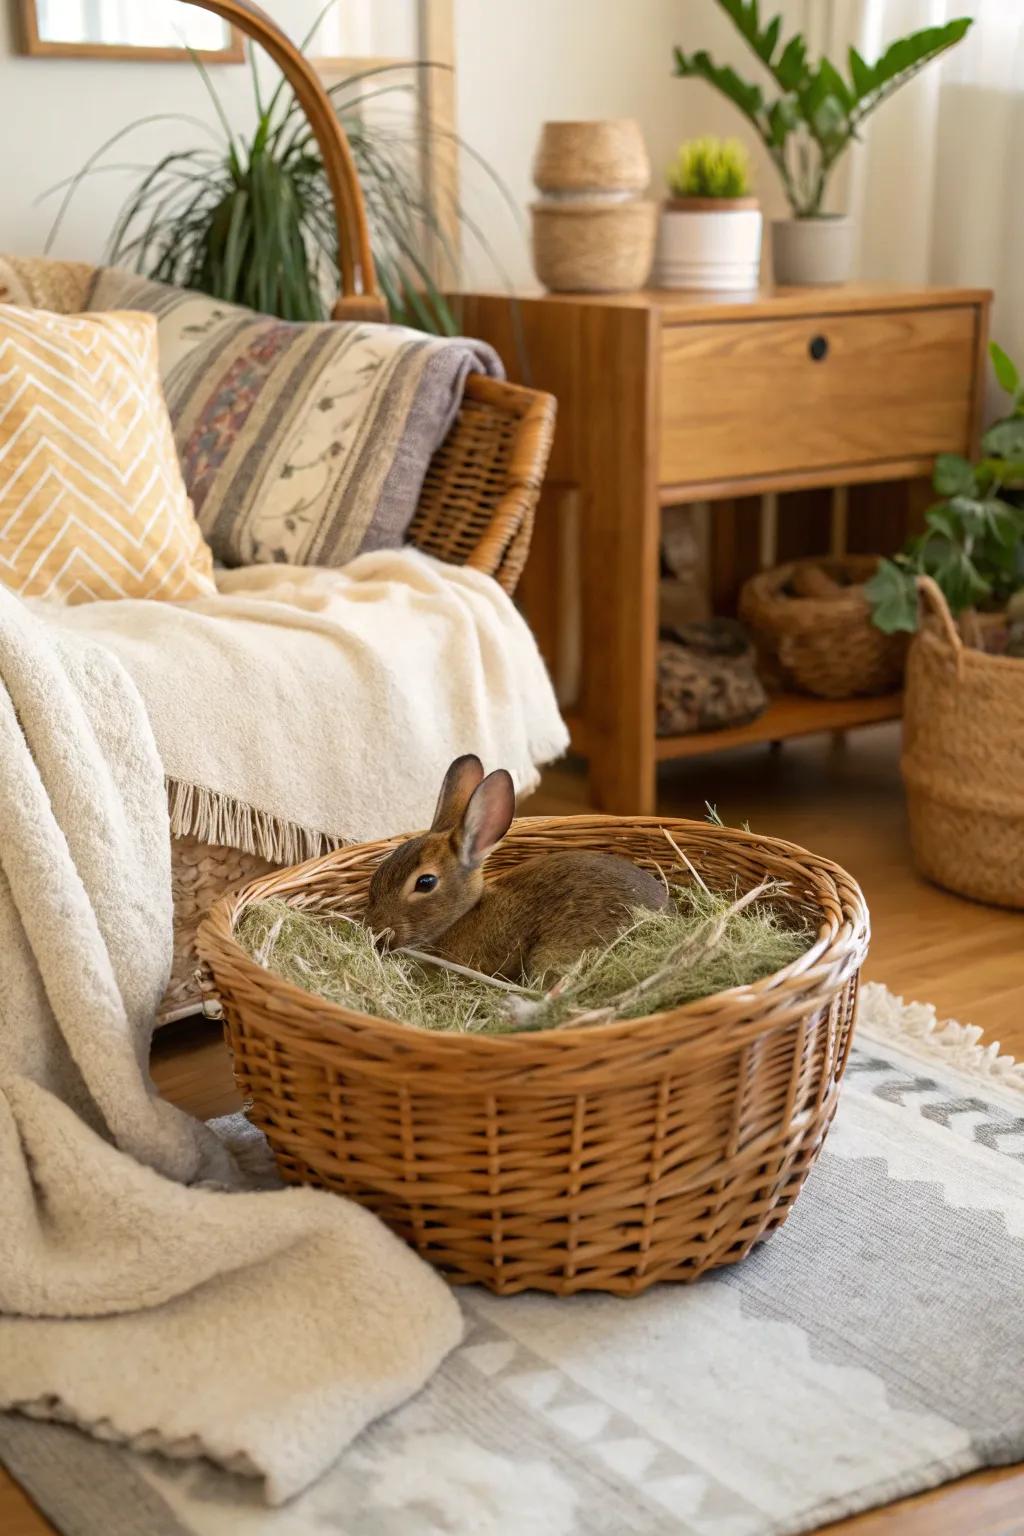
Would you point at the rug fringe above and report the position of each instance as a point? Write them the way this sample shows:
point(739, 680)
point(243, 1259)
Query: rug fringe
point(215, 818)
point(883, 1016)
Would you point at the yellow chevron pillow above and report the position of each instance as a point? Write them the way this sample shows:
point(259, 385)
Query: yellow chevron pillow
point(92, 502)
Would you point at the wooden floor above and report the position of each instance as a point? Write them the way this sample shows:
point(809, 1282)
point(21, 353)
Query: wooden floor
point(842, 800)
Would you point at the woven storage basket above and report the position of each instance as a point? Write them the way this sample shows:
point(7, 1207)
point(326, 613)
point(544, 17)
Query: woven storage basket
point(604, 155)
point(601, 1158)
point(593, 247)
point(825, 646)
point(963, 753)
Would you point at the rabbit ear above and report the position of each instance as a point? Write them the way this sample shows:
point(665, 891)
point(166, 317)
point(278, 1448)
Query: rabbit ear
point(460, 781)
point(488, 817)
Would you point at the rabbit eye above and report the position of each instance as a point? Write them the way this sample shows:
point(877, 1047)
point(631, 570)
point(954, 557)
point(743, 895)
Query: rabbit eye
point(425, 883)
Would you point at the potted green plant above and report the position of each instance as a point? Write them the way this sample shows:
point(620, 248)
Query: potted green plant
point(973, 543)
point(809, 124)
point(710, 229)
point(247, 217)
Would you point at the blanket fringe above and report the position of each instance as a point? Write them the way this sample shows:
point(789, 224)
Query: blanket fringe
point(918, 1029)
point(215, 818)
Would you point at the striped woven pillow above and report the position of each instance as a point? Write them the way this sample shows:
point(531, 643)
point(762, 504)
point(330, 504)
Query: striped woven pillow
point(304, 443)
point(92, 503)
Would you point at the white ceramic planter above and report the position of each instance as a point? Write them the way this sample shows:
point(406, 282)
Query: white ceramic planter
point(814, 251)
point(706, 242)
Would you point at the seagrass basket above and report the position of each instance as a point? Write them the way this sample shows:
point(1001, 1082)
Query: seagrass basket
point(826, 646)
point(963, 751)
point(599, 1158)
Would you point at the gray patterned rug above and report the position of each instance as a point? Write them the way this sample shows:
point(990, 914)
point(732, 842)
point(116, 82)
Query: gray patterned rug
point(871, 1349)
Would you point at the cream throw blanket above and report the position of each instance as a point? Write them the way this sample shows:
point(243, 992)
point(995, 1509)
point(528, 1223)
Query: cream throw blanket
point(140, 1297)
point(302, 708)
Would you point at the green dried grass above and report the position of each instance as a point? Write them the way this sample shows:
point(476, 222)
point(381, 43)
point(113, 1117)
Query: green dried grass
point(335, 958)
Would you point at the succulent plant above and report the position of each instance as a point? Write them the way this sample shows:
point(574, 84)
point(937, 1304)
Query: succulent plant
point(710, 167)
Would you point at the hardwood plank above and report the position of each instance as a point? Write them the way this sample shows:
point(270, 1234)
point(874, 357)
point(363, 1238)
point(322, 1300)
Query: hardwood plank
point(855, 403)
point(735, 540)
point(804, 524)
point(795, 480)
point(678, 306)
point(788, 715)
point(619, 555)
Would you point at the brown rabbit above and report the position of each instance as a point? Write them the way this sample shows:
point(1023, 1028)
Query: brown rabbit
point(535, 920)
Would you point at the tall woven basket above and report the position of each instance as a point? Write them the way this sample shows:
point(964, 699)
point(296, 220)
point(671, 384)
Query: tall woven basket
point(963, 760)
point(602, 1158)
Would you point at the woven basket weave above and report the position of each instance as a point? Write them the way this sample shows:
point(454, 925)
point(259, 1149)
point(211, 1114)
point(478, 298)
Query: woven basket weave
point(824, 646)
point(602, 1158)
point(963, 751)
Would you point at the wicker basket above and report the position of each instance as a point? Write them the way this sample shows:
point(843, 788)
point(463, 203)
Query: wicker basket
point(963, 746)
point(601, 1158)
point(593, 247)
point(825, 646)
point(604, 155)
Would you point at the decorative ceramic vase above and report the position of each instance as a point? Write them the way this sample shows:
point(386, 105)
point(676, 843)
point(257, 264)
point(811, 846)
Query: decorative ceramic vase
point(592, 232)
point(709, 242)
point(815, 250)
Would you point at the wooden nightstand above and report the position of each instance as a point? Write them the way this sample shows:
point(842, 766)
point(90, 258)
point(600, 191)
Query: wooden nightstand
point(748, 406)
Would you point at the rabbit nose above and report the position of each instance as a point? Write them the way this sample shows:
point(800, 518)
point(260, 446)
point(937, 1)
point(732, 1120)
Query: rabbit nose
point(385, 939)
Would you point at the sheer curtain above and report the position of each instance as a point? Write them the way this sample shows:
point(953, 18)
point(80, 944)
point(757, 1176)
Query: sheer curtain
point(936, 185)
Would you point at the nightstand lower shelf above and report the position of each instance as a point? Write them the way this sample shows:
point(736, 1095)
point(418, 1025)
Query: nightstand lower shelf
point(787, 715)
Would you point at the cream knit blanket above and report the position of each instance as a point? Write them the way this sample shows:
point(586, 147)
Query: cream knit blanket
point(141, 1297)
point(302, 708)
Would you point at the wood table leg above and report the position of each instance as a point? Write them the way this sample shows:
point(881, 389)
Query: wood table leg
point(619, 556)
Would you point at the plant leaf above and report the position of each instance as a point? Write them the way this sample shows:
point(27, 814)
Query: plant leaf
point(1005, 369)
point(892, 593)
point(1005, 439)
point(861, 73)
point(954, 476)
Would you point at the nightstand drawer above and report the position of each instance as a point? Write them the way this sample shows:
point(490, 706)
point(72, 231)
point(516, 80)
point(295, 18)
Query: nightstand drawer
point(763, 397)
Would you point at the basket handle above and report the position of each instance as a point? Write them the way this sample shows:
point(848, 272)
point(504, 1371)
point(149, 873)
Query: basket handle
point(933, 603)
point(359, 300)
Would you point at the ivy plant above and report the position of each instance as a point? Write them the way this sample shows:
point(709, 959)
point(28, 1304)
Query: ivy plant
point(973, 543)
point(817, 112)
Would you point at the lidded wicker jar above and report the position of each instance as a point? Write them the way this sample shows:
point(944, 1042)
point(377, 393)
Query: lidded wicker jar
point(826, 646)
point(592, 230)
point(599, 1158)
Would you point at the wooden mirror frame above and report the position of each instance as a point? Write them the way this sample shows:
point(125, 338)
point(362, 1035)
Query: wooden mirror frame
point(41, 48)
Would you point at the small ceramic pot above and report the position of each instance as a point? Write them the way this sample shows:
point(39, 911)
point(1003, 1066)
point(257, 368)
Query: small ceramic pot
point(709, 242)
point(816, 250)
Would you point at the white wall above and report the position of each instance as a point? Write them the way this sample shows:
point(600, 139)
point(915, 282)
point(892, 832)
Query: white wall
point(519, 63)
point(55, 112)
point(525, 61)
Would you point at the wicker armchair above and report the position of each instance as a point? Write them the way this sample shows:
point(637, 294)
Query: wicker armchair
point(479, 497)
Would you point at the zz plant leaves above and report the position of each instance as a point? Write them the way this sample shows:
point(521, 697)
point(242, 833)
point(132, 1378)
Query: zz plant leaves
point(818, 112)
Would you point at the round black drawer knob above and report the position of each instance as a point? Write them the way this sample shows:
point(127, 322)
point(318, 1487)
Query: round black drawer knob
point(818, 347)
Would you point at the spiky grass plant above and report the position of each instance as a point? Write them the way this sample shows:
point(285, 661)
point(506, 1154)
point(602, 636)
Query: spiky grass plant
point(703, 942)
point(249, 218)
point(710, 167)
